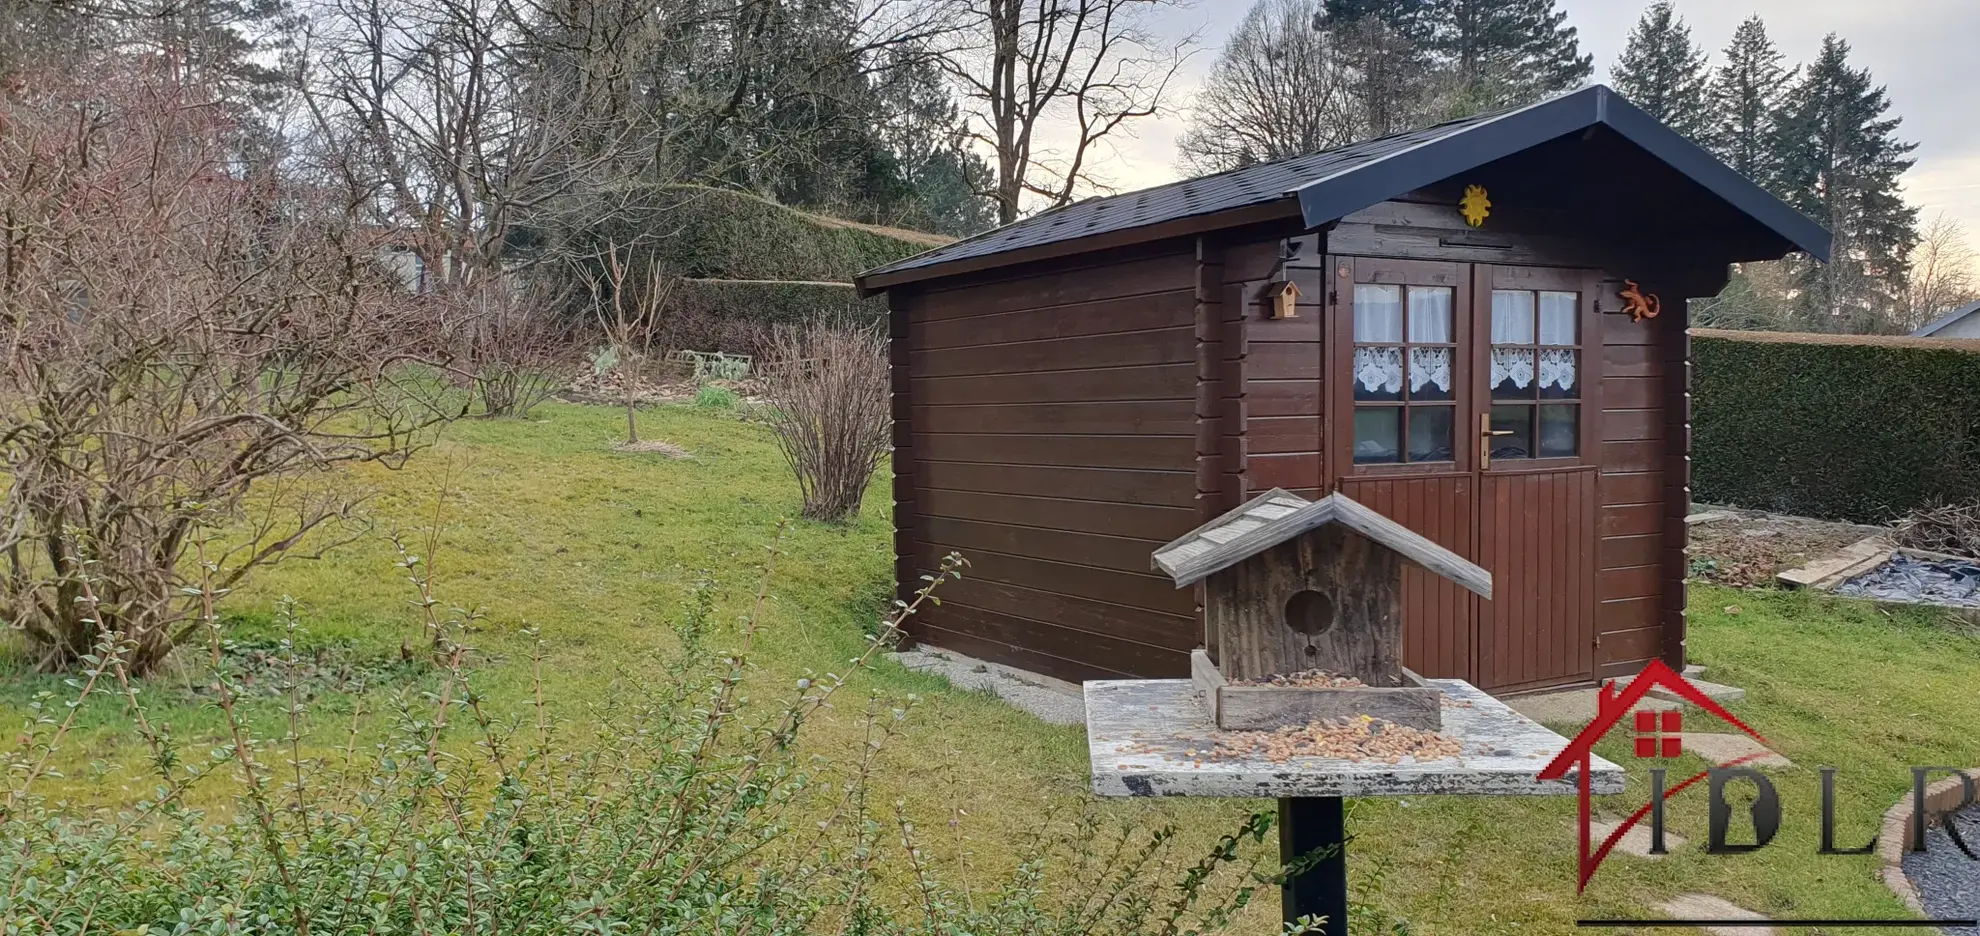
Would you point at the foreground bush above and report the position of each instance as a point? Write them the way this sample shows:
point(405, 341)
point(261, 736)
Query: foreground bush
point(687, 809)
point(180, 329)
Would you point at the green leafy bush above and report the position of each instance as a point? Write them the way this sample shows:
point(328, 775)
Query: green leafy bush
point(715, 398)
point(686, 804)
point(1852, 431)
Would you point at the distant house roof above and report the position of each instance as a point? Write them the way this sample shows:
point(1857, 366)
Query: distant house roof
point(1942, 322)
point(1277, 516)
point(1323, 187)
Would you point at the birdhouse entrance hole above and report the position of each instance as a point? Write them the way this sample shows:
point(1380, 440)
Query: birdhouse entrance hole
point(1310, 614)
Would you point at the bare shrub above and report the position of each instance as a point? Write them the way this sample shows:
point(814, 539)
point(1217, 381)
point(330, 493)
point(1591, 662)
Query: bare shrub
point(179, 332)
point(1943, 528)
point(828, 395)
point(513, 347)
point(627, 311)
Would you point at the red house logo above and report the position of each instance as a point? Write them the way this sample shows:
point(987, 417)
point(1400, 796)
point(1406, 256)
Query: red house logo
point(1658, 734)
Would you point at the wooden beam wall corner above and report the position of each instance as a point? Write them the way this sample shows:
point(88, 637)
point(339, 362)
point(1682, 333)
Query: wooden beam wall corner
point(1676, 353)
point(899, 344)
point(1210, 334)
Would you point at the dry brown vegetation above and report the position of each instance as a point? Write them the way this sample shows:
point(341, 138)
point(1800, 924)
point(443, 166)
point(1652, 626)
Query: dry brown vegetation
point(829, 400)
point(178, 331)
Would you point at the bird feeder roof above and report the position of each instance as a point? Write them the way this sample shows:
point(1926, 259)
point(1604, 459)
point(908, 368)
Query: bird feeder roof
point(1277, 516)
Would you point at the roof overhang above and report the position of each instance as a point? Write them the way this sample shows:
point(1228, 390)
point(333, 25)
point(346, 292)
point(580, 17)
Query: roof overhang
point(1773, 227)
point(869, 284)
point(1328, 199)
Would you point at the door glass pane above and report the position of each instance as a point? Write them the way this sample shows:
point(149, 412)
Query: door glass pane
point(1430, 433)
point(1429, 374)
point(1512, 374)
point(1377, 432)
point(1517, 422)
point(1378, 373)
point(1557, 374)
point(1378, 313)
point(1430, 314)
point(1560, 431)
point(1557, 318)
point(1512, 316)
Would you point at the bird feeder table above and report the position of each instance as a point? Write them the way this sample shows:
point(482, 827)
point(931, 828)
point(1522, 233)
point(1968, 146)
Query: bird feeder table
point(1292, 585)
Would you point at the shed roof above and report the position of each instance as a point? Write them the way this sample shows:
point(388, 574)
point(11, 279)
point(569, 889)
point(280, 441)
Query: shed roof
point(1934, 326)
point(1325, 186)
point(1277, 516)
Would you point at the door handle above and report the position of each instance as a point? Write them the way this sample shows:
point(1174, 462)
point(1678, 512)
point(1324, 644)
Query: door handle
point(1485, 434)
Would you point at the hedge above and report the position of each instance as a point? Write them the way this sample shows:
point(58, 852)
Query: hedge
point(724, 315)
point(1846, 429)
point(701, 232)
point(740, 264)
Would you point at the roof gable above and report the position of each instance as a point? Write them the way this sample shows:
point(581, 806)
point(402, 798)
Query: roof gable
point(1278, 516)
point(1323, 187)
point(1939, 324)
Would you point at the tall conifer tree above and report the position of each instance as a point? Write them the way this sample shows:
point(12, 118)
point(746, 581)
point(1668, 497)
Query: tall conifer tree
point(1841, 160)
point(1484, 54)
point(1508, 52)
point(1663, 72)
point(1745, 99)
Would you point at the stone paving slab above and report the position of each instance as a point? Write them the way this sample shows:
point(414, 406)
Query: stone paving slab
point(1725, 748)
point(1717, 692)
point(1857, 557)
point(1052, 700)
point(1153, 737)
point(1634, 842)
point(1574, 706)
point(1708, 907)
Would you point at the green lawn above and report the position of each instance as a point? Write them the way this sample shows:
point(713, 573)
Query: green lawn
point(541, 522)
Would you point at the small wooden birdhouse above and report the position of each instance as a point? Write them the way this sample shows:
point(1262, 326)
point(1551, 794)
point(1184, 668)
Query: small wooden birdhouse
point(1282, 300)
point(1292, 586)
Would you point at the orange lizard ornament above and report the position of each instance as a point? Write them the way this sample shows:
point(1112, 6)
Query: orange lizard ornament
point(1638, 305)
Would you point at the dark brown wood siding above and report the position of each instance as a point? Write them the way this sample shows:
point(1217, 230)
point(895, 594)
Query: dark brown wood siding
point(1051, 435)
point(1632, 552)
point(1278, 362)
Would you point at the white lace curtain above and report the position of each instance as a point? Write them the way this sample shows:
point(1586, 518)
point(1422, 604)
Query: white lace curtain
point(1378, 317)
point(1513, 322)
point(1380, 370)
point(1555, 369)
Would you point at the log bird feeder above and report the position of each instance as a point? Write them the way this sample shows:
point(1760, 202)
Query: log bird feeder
point(1291, 586)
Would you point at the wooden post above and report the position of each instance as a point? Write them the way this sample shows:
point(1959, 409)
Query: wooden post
point(1310, 824)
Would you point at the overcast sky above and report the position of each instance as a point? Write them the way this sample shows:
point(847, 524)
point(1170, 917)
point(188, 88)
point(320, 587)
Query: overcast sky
point(1921, 50)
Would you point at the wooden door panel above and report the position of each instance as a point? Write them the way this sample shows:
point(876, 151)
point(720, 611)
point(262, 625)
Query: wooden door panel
point(1537, 538)
point(1437, 615)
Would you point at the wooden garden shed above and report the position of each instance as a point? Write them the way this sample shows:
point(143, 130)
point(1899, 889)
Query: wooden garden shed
point(1477, 329)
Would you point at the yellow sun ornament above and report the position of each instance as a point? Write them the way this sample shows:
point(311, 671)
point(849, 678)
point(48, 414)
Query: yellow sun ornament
point(1475, 205)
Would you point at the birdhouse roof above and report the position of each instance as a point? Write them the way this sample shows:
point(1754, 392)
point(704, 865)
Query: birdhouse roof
point(1277, 516)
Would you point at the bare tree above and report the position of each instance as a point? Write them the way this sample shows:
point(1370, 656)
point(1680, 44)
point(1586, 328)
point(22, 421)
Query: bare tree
point(1280, 88)
point(628, 312)
point(1028, 67)
point(829, 406)
point(460, 123)
point(179, 337)
point(1943, 273)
